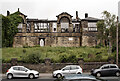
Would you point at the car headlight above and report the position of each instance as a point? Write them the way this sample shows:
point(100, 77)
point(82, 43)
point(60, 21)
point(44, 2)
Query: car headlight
point(54, 72)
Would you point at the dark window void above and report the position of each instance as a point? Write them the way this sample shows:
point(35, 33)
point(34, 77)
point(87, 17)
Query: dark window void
point(28, 28)
point(54, 29)
point(41, 27)
point(76, 28)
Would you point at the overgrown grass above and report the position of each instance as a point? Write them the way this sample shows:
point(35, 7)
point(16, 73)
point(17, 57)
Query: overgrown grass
point(56, 54)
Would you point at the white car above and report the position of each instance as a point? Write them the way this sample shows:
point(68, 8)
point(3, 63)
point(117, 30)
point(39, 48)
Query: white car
point(21, 71)
point(69, 69)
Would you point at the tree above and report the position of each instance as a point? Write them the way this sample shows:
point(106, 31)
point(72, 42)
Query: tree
point(101, 31)
point(107, 30)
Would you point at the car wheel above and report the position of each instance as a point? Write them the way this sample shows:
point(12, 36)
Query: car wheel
point(9, 76)
point(59, 75)
point(117, 74)
point(78, 73)
point(31, 76)
point(98, 74)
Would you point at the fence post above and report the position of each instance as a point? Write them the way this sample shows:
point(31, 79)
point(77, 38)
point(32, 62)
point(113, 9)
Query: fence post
point(48, 66)
point(47, 61)
point(81, 62)
point(14, 61)
point(111, 60)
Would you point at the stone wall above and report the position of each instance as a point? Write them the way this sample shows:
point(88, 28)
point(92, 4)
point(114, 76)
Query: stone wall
point(49, 67)
point(69, 41)
point(51, 39)
point(88, 41)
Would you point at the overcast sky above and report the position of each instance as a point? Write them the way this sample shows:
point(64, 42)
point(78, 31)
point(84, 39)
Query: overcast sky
point(48, 9)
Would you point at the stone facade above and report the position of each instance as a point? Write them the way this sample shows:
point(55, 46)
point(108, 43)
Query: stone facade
point(64, 31)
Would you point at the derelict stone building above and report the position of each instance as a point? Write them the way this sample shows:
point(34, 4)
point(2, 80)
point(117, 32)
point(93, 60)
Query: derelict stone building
point(65, 31)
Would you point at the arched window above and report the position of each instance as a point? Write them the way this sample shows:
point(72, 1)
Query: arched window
point(64, 24)
point(20, 27)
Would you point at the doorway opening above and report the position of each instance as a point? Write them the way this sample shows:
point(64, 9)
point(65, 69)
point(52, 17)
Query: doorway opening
point(42, 42)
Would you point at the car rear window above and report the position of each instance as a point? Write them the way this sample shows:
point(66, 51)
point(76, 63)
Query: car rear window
point(22, 69)
point(77, 67)
point(74, 67)
point(113, 67)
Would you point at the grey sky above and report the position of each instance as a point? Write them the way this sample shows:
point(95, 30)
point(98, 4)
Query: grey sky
point(48, 9)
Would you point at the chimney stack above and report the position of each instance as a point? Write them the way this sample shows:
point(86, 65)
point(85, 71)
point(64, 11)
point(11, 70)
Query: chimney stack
point(18, 10)
point(8, 13)
point(77, 15)
point(86, 15)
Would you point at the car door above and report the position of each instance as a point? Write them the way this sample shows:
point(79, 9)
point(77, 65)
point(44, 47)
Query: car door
point(16, 71)
point(23, 72)
point(73, 70)
point(66, 70)
point(113, 69)
point(105, 70)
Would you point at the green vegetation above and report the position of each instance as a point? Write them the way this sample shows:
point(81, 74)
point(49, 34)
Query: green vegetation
point(107, 35)
point(56, 54)
point(107, 31)
point(9, 28)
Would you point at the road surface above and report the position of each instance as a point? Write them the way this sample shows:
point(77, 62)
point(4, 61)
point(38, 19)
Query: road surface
point(48, 77)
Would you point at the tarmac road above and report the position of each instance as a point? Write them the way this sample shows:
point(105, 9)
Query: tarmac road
point(112, 78)
point(52, 79)
point(48, 77)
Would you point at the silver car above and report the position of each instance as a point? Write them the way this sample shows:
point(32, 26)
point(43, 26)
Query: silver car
point(21, 71)
point(69, 69)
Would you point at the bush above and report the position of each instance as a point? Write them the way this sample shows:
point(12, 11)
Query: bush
point(24, 51)
point(32, 58)
point(83, 55)
point(56, 54)
point(114, 48)
point(63, 58)
point(68, 58)
point(26, 46)
point(72, 58)
point(98, 57)
point(5, 60)
point(99, 46)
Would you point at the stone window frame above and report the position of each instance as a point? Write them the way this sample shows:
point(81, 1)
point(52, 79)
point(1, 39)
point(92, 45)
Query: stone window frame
point(92, 27)
point(65, 30)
